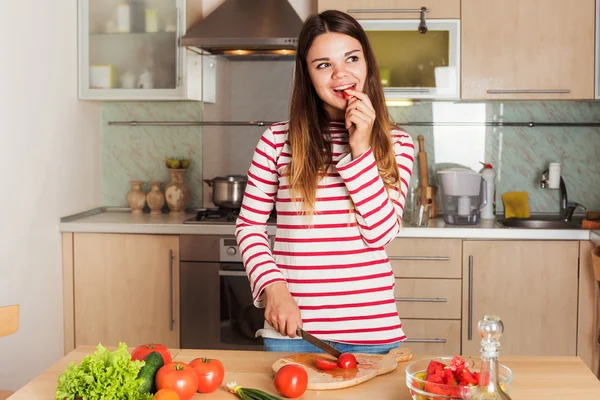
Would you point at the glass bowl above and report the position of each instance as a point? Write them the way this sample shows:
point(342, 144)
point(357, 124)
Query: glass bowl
point(416, 371)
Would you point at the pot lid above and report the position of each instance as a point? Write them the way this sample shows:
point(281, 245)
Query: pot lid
point(231, 178)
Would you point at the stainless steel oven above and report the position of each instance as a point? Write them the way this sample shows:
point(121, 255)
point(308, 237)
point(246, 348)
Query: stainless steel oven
point(216, 305)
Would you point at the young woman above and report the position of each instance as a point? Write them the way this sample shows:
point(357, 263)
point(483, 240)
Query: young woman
point(337, 174)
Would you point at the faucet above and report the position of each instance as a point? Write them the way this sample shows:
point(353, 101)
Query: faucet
point(566, 209)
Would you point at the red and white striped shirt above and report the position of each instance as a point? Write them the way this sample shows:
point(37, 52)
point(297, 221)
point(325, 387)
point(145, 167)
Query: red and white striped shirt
point(334, 262)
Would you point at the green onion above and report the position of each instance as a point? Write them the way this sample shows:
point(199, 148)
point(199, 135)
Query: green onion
point(249, 393)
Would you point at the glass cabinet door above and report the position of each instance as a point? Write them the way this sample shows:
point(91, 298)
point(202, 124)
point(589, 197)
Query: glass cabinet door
point(416, 65)
point(129, 49)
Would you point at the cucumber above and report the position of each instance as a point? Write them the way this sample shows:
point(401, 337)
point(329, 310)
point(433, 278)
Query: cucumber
point(148, 372)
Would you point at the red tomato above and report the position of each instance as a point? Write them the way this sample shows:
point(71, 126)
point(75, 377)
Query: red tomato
point(140, 352)
point(291, 380)
point(346, 360)
point(325, 364)
point(210, 374)
point(179, 377)
point(347, 96)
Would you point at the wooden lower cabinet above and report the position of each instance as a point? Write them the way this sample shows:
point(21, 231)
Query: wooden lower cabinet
point(125, 288)
point(428, 298)
point(425, 258)
point(587, 325)
point(432, 336)
point(531, 285)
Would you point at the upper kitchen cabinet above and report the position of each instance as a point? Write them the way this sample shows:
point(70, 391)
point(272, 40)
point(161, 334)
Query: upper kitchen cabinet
point(393, 9)
point(414, 62)
point(129, 50)
point(527, 49)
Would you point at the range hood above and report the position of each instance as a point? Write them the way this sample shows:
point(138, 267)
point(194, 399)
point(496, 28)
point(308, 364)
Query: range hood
point(247, 28)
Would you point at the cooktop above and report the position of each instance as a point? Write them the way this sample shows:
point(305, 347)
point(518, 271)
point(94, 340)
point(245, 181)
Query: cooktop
point(220, 216)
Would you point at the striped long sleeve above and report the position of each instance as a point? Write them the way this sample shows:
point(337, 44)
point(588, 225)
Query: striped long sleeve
point(333, 262)
point(378, 212)
point(251, 227)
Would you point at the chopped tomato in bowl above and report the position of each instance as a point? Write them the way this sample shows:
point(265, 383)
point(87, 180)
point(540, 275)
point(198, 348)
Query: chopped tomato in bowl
point(448, 377)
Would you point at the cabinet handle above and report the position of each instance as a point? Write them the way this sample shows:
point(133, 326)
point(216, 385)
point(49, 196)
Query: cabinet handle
point(171, 313)
point(180, 49)
point(417, 258)
point(425, 341)
point(470, 330)
point(422, 299)
point(525, 91)
point(385, 11)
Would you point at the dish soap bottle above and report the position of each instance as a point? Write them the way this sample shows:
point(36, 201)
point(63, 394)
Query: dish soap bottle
point(489, 176)
point(490, 330)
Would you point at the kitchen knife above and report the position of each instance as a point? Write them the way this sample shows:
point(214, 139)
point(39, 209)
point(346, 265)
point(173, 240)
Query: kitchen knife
point(318, 342)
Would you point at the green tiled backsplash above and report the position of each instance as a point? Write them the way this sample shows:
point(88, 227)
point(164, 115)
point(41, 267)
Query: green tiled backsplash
point(519, 154)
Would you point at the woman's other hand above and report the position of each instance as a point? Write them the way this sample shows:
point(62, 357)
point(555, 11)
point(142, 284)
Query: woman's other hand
point(360, 117)
point(281, 311)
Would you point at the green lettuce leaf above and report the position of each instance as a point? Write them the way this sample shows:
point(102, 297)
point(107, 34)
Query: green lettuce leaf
point(101, 376)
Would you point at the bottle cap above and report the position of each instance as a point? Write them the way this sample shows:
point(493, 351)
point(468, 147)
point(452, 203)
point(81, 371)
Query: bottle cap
point(486, 165)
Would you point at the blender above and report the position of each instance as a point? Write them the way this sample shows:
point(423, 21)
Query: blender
point(463, 195)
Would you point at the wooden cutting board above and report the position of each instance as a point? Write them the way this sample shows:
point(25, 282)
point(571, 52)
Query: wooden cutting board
point(369, 366)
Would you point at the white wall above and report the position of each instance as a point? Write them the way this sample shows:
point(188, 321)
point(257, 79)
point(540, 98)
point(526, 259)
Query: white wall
point(50, 167)
point(303, 7)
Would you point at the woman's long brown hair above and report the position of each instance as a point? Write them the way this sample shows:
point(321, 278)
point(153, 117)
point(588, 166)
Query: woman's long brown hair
point(310, 148)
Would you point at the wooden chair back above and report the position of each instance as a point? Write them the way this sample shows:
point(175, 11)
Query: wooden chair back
point(9, 320)
point(596, 262)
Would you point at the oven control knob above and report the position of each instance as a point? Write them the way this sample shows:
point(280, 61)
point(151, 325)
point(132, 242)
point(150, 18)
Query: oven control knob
point(232, 251)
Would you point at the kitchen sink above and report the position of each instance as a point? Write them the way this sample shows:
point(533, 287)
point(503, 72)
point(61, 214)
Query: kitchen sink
point(539, 222)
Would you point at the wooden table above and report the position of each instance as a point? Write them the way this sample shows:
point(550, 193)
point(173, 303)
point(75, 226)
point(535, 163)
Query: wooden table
point(540, 378)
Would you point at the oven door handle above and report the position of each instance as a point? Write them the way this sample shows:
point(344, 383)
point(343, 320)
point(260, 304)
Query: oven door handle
point(232, 273)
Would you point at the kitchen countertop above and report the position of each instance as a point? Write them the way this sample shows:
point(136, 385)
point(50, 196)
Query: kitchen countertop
point(534, 377)
point(121, 220)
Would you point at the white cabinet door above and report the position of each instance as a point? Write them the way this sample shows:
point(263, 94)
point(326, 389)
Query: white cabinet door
point(129, 50)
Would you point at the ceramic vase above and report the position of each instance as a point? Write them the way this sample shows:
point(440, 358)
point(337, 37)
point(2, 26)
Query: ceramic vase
point(136, 198)
point(177, 192)
point(155, 198)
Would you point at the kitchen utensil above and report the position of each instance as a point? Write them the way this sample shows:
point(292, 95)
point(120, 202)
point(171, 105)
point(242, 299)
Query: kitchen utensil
point(318, 342)
point(425, 191)
point(463, 195)
point(368, 367)
point(417, 370)
point(228, 191)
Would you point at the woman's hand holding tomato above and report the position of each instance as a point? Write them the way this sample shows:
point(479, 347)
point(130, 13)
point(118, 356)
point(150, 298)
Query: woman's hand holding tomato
point(179, 377)
point(209, 372)
point(291, 380)
point(360, 118)
point(142, 351)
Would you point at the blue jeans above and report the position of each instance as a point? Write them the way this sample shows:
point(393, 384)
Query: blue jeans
point(302, 346)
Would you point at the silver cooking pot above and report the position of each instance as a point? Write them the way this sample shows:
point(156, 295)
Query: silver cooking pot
point(228, 191)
